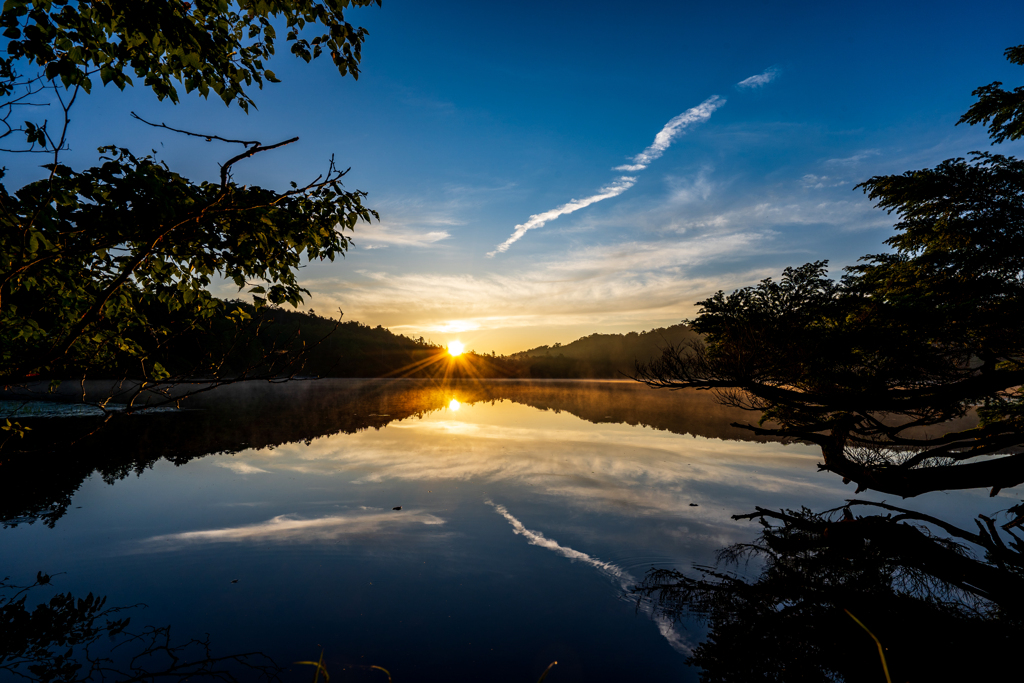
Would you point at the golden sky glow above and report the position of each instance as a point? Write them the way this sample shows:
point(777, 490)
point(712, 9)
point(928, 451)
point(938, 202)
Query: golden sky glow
point(456, 348)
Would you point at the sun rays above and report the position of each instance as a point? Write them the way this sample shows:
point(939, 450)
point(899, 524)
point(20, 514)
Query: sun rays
point(444, 363)
point(448, 375)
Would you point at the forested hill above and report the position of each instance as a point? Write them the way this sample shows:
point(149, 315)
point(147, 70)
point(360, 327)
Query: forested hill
point(352, 349)
point(603, 355)
point(346, 349)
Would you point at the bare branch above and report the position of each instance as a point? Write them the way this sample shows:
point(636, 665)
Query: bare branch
point(205, 136)
point(226, 168)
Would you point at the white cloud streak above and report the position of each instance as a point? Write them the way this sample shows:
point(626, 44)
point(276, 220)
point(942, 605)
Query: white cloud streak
point(240, 467)
point(384, 236)
point(760, 80)
point(672, 131)
point(665, 137)
point(617, 187)
point(856, 158)
point(625, 580)
point(292, 529)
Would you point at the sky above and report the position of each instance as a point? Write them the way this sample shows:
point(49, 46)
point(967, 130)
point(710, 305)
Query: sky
point(545, 171)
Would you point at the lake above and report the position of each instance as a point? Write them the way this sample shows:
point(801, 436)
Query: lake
point(465, 531)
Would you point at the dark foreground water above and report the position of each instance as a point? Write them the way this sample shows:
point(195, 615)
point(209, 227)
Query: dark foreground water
point(264, 517)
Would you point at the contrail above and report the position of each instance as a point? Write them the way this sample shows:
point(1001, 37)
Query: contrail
point(625, 580)
point(672, 130)
point(617, 187)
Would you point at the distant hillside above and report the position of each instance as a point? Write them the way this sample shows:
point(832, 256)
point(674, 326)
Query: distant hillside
point(602, 355)
point(352, 349)
point(357, 350)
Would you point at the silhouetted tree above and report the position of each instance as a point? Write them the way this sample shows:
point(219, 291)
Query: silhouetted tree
point(867, 366)
point(108, 268)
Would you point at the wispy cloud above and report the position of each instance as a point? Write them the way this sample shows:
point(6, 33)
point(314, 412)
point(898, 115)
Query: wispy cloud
point(418, 222)
point(818, 182)
point(665, 137)
point(625, 580)
point(760, 80)
point(606, 280)
point(240, 467)
point(632, 283)
point(382, 236)
point(856, 158)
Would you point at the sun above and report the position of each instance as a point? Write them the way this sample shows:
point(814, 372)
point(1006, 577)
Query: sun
point(456, 348)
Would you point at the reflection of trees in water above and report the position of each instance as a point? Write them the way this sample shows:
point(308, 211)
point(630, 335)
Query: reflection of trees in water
point(940, 612)
point(74, 640)
point(43, 471)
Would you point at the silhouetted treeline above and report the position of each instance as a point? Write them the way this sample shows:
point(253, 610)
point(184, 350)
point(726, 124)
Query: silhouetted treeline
point(323, 347)
point(239, 341)
point(356, 350)
point(602, 356)
point(330, 348)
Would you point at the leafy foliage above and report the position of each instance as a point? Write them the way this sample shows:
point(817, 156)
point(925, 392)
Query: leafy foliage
point(1001, 110)
point(105, 266)
point(204, 45)
point(109, 268)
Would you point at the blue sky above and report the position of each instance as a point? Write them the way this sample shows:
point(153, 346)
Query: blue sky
point(469, 118)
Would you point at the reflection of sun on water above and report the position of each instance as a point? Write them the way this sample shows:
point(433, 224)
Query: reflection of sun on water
point(454, 404)
point(456, 348)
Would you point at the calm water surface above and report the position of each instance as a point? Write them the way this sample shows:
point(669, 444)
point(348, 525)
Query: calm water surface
point(527, 512)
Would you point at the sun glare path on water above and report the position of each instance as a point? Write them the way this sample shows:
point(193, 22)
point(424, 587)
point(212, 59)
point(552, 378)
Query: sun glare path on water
point(456, 348)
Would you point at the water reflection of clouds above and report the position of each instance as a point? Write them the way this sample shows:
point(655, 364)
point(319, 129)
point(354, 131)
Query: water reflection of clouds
point(294, 529)
point(241, 467)
point(596, 465)
point(616, 470)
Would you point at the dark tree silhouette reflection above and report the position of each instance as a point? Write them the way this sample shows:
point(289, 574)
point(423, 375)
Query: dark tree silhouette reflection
point(77, 640)
point(944, 602)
